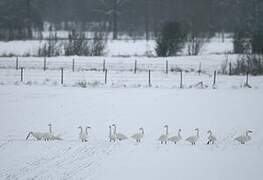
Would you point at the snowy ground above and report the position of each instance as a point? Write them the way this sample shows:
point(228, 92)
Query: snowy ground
point(226, 112)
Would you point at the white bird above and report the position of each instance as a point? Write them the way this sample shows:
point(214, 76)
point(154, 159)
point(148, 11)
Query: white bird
point(193, 139)
point(164, 137)
point(82, 135)
point(211, 138)
point(50, 136)
point(40, 135)
point(138, 136)
point(37, 135)
point(118, 136)
point(111, 135)
point(244, 138)
point(176, 139)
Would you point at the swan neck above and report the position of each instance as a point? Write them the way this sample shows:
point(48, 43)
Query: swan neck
point(179, 133)
point(50, 129)
point(166, 130)
point(197, 133)
point(110, 130)
point(114, 131)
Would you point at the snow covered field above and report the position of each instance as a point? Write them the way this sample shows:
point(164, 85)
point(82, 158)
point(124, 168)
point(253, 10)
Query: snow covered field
point(226, 112)
point(116, 47)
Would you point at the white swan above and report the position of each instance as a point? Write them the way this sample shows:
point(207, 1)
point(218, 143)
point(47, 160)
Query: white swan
point(138, 136)
point(40, 135)
point(176, 139)
point(193, 139)
point(111, 135)
point(164, 137)
point(82, 135)
point(118, 136)
point(37, 135)
point(50, 136)
point(211, 138)
point(244, 138)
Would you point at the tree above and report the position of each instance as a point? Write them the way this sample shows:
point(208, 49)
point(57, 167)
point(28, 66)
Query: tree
point(171, 39)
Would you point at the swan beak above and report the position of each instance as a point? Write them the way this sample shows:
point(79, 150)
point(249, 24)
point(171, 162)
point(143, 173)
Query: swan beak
point(89, 127)
point(250, 131)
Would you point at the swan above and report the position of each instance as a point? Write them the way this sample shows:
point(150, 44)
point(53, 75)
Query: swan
point(244, 138)
point(176, 139)
point(50, 136)
point(111, 136)
point(193, 139)
point(211, 137)
point(82, 135)
point(37, 135)
point(118, 136)
point(138, 136)
point(40, 135)
point(164, 137)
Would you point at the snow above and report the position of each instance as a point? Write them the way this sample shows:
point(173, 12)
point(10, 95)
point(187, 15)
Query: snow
point(226, 112)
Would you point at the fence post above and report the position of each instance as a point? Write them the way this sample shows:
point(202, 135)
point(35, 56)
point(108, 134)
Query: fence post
point(106, 76)
point(62, 76)
point(16, 63)
point(230, 69)
point(214, 83)
point(135, 66)
point(200, 68)
point(103, 65)
point(181, 79)
point(45, 63)
point(149, 79)
point(22, 74)
point(247, 80)
point(167, 67)
point(73, 65)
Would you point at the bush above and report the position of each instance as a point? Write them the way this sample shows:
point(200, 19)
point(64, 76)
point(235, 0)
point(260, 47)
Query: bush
point(248, 63)
point(171, 40)
point(79, 45)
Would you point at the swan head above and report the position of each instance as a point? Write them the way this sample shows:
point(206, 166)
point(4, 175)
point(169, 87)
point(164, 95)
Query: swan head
point(80, 127)
point(142, 130)
point(114, 125)
point(49, 125)
point(165, 126)
point(209, 132)
point(180, 130)
point(88, 127)
point(196, 129)
point(249, 131)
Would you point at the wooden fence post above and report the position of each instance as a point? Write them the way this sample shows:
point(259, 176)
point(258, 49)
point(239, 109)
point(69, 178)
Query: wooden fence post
point(167, 67)
point(103, 65)
point(16, 63)
point(62, 76)
point(214, 83)
point(200, 68)
point(73, 65)
point(230, 69)
point(149, 79)
point(247, 79)
point(135, 66)
point(106, 76)
point(45, 63)
point(181, 79)
point(22, 74)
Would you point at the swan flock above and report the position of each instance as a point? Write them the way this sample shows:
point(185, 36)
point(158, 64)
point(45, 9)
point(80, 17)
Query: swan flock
point(114, 136)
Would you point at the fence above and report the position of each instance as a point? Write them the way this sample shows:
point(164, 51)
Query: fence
point(98, 65)
point(121, 72)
